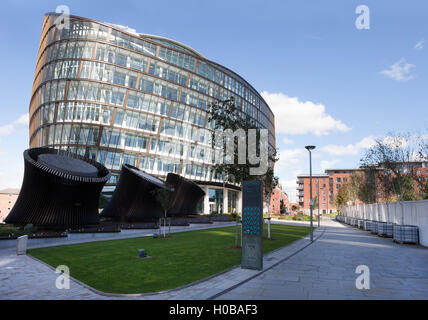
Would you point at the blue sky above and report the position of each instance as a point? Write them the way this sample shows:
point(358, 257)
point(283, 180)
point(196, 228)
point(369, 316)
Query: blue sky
point(328, 83)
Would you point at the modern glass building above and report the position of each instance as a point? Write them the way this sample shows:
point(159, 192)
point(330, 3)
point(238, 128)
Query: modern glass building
point(118, 96)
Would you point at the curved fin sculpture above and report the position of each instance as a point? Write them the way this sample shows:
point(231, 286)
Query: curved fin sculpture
point(186, 196)
point(133, 199)
point(60, 189)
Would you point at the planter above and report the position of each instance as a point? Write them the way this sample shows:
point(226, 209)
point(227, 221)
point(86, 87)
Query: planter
point(104, 229)
point(147, 225)
point(179, 222)
point(220, 219)
point(406, 234)
point(368, 225)
point(385, 229)
point(8, 237)
point(374, 226)
point(202, 220)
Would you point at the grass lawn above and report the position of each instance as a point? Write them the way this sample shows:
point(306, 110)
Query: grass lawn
point(113, 266)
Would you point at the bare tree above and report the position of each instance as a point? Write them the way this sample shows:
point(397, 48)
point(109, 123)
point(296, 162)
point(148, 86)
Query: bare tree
point(395, 156)
point(163, 196)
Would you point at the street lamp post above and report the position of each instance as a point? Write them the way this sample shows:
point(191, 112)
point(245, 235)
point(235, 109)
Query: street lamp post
point(311, 203)
point(319, 195)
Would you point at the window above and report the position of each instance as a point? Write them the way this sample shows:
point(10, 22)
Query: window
point(119, 117)
point(132, 83)
point(119, 78)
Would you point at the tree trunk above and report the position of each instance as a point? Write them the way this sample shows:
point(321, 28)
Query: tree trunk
point(236, 232)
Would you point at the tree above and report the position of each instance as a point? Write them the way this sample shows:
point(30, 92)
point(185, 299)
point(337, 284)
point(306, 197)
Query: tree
point(281, 206)
point(395, 157)
point(367, 189)
point(342, 196)
point(163, 196)
point(224, 115)
point(407, 186)
point(316, 204)
point(295, 207)
point(355, 183)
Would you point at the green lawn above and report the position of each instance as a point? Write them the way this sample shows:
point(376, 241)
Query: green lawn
point(113, 266)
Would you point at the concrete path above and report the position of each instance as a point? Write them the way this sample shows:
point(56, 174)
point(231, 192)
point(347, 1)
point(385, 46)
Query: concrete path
point(324, 269)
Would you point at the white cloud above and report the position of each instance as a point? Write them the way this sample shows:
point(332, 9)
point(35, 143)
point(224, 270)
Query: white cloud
point(420, 44)
point(287, 141)
point(23, 119)
point(350, 149)
point(8, 129)
point(328, 164)
point(399, 71)
point(12, 177)
point(289, 186)
point(290, 157)
point(300, 117)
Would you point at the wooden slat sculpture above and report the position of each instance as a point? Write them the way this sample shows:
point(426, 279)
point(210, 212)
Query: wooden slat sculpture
point(59, 189)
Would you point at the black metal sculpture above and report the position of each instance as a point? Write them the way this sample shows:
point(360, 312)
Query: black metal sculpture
point(60, 189)
point(186, 196)
point(133, 198)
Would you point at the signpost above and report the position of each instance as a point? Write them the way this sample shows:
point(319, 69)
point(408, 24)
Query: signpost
point(252, 225)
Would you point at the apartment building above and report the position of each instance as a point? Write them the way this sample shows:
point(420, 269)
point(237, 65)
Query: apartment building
point(326, 186)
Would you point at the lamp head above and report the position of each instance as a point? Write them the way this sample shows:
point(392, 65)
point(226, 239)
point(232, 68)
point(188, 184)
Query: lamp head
point(309, 148)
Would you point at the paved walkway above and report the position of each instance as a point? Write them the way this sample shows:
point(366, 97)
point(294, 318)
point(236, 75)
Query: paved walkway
point(324, 269)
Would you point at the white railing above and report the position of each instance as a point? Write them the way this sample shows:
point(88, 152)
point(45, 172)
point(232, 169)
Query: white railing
point(412, 213)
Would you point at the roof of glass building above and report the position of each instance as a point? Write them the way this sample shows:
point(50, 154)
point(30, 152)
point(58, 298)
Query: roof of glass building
point(162, 40)
point(171, 43)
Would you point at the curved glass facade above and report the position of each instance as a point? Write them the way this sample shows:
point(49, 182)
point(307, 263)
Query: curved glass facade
point(120, 97)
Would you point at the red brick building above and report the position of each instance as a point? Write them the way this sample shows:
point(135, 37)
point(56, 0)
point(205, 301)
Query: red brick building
point(320, 189)
point(326, 186)
point(278, 196)
point(7, 200)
